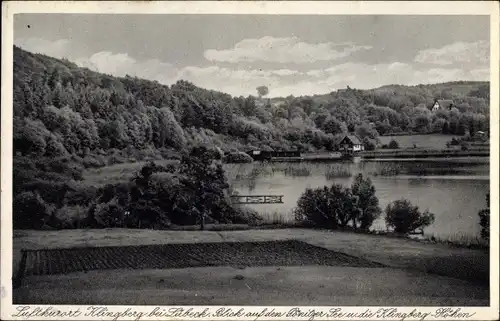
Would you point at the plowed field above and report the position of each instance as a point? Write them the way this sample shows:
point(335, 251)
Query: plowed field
point(168, 256)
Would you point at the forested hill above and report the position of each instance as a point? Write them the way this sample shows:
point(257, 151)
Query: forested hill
point(61, 109)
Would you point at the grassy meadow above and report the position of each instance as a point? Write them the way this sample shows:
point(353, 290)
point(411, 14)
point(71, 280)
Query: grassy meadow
point(430, 141)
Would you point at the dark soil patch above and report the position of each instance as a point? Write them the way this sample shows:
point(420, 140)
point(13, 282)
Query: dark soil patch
point(283, 253)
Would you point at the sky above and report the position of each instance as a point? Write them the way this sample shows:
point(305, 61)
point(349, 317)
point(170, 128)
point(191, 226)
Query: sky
point(290, 54)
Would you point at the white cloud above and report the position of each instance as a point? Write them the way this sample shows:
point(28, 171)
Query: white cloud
point(122, 64)
point(460, 52)
point(283, 50)
point(58, 49)
point(117, 64)
point(285, 72)
point(281, 82)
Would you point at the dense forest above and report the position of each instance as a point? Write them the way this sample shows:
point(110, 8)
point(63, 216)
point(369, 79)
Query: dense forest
point(61, 109)
point(68, 118)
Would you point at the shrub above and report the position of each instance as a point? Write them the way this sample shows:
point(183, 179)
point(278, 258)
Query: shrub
point(64, 166)
point(393, 144)
point(80, 195)
point(404, 217)
point(30, 211)
point(369, 144)
point(245, 215)
point(93, 161)
point(51, 191)
point(144, 214)
point(110, 214)
point(326, 207)
point(238, 157)
point(454, 142)
point(70, 217)
point(116, 159)
point(484, 219)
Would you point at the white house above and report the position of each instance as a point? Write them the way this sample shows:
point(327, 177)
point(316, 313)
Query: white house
point(442, 104)
point(351, 143)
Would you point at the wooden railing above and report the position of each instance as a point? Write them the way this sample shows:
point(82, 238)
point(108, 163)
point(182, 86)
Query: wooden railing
point(257, 199)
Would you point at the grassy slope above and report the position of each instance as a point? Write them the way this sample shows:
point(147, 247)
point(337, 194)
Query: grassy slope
point(399, 253)
point(432, 141)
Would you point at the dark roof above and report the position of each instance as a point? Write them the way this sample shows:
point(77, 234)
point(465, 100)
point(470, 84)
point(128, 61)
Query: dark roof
point(445, 103)
point(354, 139)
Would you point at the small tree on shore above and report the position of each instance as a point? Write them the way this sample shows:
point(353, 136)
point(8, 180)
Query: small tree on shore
point(404, 217)
point(367, 202)
point(204, 176)
point(327, 207)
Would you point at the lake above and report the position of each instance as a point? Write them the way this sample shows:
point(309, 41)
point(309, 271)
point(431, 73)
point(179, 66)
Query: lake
point(453, 189)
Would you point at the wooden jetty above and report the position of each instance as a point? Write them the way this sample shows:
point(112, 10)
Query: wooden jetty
point(257, 199)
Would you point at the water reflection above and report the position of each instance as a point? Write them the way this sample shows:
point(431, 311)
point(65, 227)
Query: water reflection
point(453, 189)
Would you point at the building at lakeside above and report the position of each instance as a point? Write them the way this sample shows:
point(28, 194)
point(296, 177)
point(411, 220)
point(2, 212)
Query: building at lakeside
point(350, 144)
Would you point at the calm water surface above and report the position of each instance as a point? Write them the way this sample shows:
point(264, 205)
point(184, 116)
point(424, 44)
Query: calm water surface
point(453, 189)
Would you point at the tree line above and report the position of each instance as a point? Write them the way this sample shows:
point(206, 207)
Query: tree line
point(61, 109)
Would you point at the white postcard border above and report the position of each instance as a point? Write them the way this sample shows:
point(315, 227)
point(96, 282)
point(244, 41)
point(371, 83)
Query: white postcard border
point(243, 7)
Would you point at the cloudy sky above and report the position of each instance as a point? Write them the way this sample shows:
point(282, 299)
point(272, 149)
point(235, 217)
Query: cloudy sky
point(295, 54)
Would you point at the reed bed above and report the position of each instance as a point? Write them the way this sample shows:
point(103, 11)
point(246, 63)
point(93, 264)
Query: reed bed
point(336, 171)
point(390, 169)
point(462, 240)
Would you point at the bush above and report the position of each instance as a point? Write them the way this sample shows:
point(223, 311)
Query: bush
point(484, 219)
point(454, 142)
point(110, 214)
point(369, 144)
point(238, 157)
point(326, 207)
point(80, 195)
point(53, 192)
point(30, 211)
point(245, 215)
point(116, 159)
point(93, 162)
point(404, 217)
point(144, 214)
point(70, 217)
point(393, 144)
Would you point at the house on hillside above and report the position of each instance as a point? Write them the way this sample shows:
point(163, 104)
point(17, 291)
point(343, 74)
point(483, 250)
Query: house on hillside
point(350, 144)
point(442, 104)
